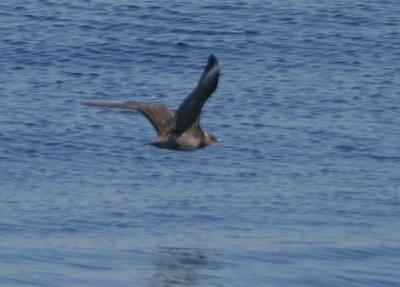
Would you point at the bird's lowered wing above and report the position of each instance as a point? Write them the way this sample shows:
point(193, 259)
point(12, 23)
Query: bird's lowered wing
point(158, 115)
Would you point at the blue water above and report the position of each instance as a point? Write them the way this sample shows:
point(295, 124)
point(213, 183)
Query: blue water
point(303, 191)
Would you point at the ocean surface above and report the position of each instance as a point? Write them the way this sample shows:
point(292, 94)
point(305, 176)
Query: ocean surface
point(304, 190)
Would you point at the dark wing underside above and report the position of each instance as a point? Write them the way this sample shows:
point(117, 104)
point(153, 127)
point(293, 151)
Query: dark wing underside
point(158, 115)
point(188, 113)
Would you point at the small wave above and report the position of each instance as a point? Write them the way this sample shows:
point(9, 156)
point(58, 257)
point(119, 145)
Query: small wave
point(345, 148)
point(181, 44)
point(384, 158)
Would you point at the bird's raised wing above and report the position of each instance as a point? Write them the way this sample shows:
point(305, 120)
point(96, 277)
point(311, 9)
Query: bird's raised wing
point(158, 115)
point(189, 111)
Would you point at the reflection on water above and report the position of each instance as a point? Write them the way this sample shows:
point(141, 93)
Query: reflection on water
point(183, 267)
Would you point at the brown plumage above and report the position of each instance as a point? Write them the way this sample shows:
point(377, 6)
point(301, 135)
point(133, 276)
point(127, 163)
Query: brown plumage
point(181, 131)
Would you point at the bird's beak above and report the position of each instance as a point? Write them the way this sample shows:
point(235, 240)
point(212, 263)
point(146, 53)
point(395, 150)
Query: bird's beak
point(218, 140)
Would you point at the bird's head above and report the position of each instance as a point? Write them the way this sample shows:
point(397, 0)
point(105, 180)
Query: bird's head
point(210, 139)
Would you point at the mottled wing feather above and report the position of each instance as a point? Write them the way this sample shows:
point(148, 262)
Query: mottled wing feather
point(158, 115)
point(189, 111)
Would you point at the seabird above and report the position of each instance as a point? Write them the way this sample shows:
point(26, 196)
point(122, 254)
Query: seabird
point(181, 131)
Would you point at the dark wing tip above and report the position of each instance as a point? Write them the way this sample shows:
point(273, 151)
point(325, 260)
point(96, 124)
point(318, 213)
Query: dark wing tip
point(211, 73)
point(119, 105)
point(212, 58)
point(89, 103)
point(212, 61)
point(98, 104)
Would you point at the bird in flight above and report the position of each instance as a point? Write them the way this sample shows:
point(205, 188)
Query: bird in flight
point(181, 131)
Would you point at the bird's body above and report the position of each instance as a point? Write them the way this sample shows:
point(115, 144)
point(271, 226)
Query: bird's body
point(181, 131)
